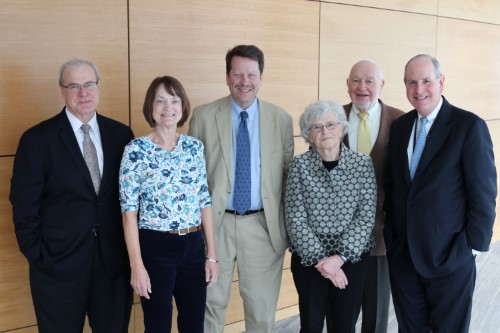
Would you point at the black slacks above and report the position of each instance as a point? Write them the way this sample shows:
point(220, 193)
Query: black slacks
point(438, 305)
point(319, 298)
point(176, 268)
point(61, 306)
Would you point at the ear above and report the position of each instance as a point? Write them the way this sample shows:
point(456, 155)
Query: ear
point(441, 84)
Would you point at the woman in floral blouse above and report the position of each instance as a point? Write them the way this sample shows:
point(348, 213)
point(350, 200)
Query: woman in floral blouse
point(167, 214)
point(330, 212)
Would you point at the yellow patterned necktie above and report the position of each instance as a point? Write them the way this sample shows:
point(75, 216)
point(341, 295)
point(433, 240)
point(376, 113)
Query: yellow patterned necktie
point(364, 134)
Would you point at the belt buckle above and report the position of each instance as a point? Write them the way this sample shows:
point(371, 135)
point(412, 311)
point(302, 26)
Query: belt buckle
point(183, 233)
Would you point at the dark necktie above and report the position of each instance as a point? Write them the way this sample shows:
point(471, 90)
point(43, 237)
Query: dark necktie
point(419, 148)
point(243, 180)
point(90, 156)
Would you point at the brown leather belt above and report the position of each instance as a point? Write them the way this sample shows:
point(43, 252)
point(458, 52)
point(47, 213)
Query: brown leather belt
point(248, 212)
point(184, 231)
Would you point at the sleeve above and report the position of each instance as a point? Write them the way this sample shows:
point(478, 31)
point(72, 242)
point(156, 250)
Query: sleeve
point(131, 170)
point(204, 196)
point(26, 195)
point(304, 241)
point(356, 238)
point(481, 185)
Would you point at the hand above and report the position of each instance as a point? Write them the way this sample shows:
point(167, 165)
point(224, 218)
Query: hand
point(140, 281)
point(339, 279)
point(329, 265)
point(211, 272)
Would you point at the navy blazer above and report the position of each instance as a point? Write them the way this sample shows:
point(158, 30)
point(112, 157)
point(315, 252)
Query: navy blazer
point(55, 207)
point(449, 208)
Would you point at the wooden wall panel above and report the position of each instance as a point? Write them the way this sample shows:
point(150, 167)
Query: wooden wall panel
point(37, 37)
point(309, 48)
point(189, 40)
point(16, 307)
point(473, 10)
point(382, 36)
point(471, 65)
point(421, 6)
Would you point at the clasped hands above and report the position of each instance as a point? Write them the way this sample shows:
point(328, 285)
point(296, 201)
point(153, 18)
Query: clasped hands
point(330, 268)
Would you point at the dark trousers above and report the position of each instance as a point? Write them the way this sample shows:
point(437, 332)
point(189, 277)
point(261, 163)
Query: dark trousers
point(318, 297)
point(61, 306)
point(376, 296)
point(176, 268)
point(440, 305)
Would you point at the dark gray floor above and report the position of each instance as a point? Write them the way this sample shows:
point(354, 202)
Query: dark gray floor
point(486, 302)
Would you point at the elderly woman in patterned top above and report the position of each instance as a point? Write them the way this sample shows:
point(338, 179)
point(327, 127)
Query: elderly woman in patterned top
point(330, 212)
point(167, 214)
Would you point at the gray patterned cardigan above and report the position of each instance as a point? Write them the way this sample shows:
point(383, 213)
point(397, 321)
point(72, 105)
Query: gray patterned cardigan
point(330, 212)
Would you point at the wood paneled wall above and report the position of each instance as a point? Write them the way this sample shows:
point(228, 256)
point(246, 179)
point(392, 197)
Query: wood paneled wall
point(309, 48)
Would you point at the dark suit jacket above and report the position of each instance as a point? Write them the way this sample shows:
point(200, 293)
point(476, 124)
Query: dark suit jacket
point(55, 207)
point(378, 155)
point(449, 208)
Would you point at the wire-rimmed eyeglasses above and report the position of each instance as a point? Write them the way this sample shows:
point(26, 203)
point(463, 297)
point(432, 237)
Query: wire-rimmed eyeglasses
point(330, 126)
point(76, 87)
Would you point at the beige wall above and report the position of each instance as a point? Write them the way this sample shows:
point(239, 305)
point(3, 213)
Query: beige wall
point(309, 48)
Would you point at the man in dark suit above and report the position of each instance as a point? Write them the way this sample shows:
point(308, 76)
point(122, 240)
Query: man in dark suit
point(440, 208)
point(364, 85)
point(67, 214)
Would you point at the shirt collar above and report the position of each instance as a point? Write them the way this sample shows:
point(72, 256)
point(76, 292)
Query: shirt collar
point(251, 110)
point(77, 123)
point(434, 113)
point(376, 108)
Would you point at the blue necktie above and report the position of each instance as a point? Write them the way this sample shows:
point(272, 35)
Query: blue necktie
point(243, 180)
point(419, 148)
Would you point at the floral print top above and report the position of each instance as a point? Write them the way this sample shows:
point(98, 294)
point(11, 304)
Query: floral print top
point(168, 189)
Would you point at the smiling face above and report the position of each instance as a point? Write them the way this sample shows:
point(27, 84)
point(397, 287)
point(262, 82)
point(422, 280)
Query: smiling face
point(83, 102)
point(244, 80)
point(364, 85)
point(423, 88)
point(167, 109)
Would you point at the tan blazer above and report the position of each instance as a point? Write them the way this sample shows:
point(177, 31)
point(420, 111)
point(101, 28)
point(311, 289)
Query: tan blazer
point(211, 123)
point(378, 155)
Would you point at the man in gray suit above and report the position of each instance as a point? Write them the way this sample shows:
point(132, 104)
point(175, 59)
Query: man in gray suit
point(364, 85)
point(254, 236)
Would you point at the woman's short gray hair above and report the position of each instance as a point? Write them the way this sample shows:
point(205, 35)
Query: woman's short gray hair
point(320, 109)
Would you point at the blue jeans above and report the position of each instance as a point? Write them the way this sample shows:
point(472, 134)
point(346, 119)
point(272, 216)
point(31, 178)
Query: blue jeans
point(176, 267)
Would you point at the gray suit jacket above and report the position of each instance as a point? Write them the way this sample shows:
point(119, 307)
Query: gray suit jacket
point(211, 123)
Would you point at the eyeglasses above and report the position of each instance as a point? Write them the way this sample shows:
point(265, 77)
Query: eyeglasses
point(76, 87)
point(330, 126)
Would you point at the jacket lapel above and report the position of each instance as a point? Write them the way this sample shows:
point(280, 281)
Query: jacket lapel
point(266, 126)
point(439, 132)
point(106, 142)
point(224, 125)
point(69, 141)
point(404, 141)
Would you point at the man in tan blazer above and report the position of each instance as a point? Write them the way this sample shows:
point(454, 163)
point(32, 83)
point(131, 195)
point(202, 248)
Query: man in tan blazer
point(255, 237)
point(364, 86)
